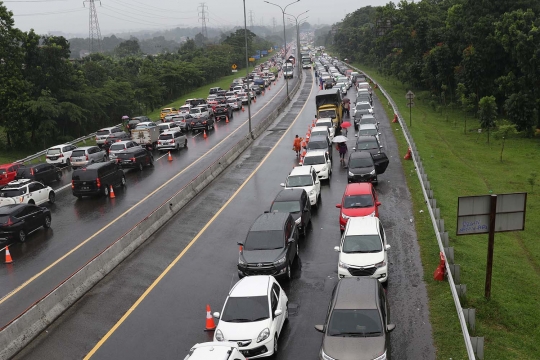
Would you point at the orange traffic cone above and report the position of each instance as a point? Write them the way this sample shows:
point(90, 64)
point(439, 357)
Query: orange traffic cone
point(111, 193)
point(227, 119)
point(9, 260)
point(274, 83)
point(243, 108)
point(262, 93)
point(204, 134)
point(255, 100)
point(170, 156)
point(408, 155)
point(210, 325)
point(395, 119)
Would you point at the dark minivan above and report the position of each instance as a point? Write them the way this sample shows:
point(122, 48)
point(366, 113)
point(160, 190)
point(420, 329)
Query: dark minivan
point(363, 167)
point(45, 173)
point(295, 202)
point(357, 321)
point(135, 158)
point(96, 179)
point(270, 247)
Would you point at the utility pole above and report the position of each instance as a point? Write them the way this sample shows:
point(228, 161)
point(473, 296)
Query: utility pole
point(251, 19)
point(94, 34)
point(203, 13)
point(273, 25)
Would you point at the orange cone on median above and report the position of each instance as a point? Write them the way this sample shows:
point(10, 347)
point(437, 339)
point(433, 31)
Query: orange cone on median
point(243, 108)
point(9, 260)
point(204, 134)
point(111, 193)
point(170, 156)
point(210, 325)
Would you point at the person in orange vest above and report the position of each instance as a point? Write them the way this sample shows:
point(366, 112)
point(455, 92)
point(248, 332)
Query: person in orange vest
point(297, 145)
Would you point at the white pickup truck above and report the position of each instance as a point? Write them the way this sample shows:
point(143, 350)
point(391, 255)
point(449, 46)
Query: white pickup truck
point(146, 134)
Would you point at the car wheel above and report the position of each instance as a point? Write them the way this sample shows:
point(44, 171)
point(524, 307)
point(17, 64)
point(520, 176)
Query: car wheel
point(275, 344)
point(289, 273)
point(79, 197)
point(32, 202)
point(68, 162)
point(106, 190)
point(52, 197)
point(47, 223)
point(151, 161)
point(185, 143)
point(22, 236)
point(140, 167)
point(123, 181)
point(304, 234)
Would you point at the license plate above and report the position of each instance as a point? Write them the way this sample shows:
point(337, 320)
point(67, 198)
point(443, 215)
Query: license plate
point(53, 158)
point(85, 188)
point(126, 161)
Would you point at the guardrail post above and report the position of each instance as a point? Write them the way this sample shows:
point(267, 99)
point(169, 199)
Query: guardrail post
point(478, 346)
point(433, 203)
point(429, 193)
point(437, 213)
point(456, 272)
point(424, 178)
point(461, 290)
point(449, 254)
point(427, 185)
point(444, 238)
point(440, 225)
point(470, 317)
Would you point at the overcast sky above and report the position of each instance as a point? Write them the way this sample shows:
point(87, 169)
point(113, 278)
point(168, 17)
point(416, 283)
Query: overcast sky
point(70, 17)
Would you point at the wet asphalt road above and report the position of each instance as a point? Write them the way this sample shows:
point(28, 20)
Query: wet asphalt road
point(83, 228)
point(171, 318)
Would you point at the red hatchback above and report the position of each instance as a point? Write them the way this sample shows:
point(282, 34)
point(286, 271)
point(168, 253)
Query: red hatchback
point(360, 199)
point(8, 173)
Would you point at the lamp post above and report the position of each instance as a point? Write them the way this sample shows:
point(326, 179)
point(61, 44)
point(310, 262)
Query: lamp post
point(298, 37)
point(284, 35)
point(247, 74)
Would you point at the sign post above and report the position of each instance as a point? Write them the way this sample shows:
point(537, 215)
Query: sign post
point(410, 103)
point(234, 68)
point(488, 214)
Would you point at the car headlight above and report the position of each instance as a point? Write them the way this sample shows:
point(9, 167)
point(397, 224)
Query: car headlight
point(372, 172)
point(343, 265)
point(381, 264)
point(298, 221)
point(326, 357)
point(351, 174)
point(219, 335)
point(263, 335)
point(343, 216)
point(382, 357)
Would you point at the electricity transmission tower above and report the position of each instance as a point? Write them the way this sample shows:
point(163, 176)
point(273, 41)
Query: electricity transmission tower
point(251, 19)
point(273, 24)
point(203, 16)
point(94, 34)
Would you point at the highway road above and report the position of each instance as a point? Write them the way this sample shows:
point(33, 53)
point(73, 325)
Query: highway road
point(83, 228)
point(152, 306)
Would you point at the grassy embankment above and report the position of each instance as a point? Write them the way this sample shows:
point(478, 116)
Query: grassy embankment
point(201, 92)
point(460, 163)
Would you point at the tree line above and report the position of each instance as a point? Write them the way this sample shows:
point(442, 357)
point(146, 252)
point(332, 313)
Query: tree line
point(483, 56)
point(46, 98)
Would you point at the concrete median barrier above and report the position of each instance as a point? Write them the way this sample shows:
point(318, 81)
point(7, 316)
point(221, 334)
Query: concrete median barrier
point(20, 331)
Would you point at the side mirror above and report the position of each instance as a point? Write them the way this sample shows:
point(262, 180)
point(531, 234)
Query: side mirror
point(266, 211)
point(216, 315)
point(282, 184)
point(320, 328)
point(378, 122)
point(390, 327)
point(380, 146)
point(240, 243)
point(290, 241)
point(380, 134)
point(336, 248)
point(387, 247)
point(338, 206)
point(300, 164)
point(278, 312)
point(378, 203)
point(354, 148)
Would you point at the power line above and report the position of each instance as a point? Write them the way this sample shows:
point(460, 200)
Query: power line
point(203, 12)
point(50, 13)
point(251, 19)
point(94, 34)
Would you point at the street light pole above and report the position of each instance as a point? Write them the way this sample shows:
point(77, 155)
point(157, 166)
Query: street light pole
point(284, 35)
point(298, 37)
point(247, 74)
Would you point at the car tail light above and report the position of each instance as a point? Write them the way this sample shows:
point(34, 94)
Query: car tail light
point(159, 142)
point(133, 159)
point(118, 140)
point(172, 141)
point(61, 155)
point(86, 157)
point(72, 184)
point(183, 120)
point(98, 182)
point(31, 171)
point(9, 221)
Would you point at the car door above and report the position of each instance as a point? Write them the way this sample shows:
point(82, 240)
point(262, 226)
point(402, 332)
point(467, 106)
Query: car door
point(36, 192)
point(305, 205)
point(381, 162)
point(32, 218)
point(316, 182)
point(46, 172)
point(276, 291)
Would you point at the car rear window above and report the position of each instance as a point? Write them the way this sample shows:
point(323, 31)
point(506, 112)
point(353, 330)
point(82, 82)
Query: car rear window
point(76, 153)
point(103, 132)
point(165, 136)
point(84, 175)
point(5, 193)
point(117, 147)
point(54, 151)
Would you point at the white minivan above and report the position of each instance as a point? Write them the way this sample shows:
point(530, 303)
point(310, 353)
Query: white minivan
point(306, 178)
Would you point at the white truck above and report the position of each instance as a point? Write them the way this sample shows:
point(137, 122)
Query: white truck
point(147, 136)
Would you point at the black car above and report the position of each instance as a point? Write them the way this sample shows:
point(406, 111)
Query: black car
point(357, 321)
point(202, 123)
point(320, 142)
point(44, 173)
point(96, 179)
point(221, 92)
point(295, 202)
point(368, 143)
point(19, 220)
point(358, 116)
point(114, 137)
point(135, 158)
point(257, 90)
point(222, 111)
point(270, 247)
point(362, 167)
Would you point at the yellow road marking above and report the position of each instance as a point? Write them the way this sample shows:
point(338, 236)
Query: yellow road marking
point(175, 261)
point(56, 262)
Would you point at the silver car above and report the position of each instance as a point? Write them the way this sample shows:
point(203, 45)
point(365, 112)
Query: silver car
point(121, 146)
point(87, 155)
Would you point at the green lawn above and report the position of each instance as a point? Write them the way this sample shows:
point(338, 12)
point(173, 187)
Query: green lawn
point(462, 164)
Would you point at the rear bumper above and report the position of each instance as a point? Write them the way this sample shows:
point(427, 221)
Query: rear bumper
point(57, 161)
point(93, 192)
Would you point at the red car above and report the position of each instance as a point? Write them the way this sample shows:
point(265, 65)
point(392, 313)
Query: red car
point(360, 199)
point(8, 173)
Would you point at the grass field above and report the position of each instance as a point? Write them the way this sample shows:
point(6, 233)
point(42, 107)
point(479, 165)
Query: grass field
point(460, 163)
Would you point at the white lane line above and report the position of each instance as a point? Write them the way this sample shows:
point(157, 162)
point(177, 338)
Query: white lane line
point(199, 133)
point(62, 188)
point(162, 156)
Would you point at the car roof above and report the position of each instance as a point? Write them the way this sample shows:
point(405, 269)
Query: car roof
point(123, 142)
point(324, 120)
point(367, 116)
point(171, 131)
point(108, 128)
point(367, 126)
point(362, 225)
point(269, 222)
point(132, 149)
point(300, 170)
point(85, 147)
point(289, 194)
point(57, 146)
point(93, 166)
point(363, 103)
point(319, 128)
point(315, 152)
point(360, 155)
point(256, 285)
point(358, 188)
point(356, 293)
point(8, 209)
point(19, 183)
point(365, 138)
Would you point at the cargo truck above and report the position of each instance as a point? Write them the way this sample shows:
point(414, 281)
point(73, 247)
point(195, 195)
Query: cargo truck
point(329, 104)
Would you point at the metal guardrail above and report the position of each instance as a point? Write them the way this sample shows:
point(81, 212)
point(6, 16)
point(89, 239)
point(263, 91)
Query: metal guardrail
point(43, 152)
point(438, 226)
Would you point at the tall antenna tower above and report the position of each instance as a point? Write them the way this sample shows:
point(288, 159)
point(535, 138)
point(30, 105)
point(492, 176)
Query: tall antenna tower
point(94, 34)
point(251, 19)
point(273, 24)
point(203, 16)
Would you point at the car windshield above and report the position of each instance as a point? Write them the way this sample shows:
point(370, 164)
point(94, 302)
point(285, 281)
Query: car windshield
point(314, 160)
point(5, 193)
point(54, 151)
point(299, 180)
point(362, 244)
point(164, 126)
point(313, 145)
point(355, 163)
point(133, 122)
point(246, 309)
point(76, 153)
point(165, 136)
point(363, 106)
point(327, 114)
point(103, 132)
point(117, 147)
point(357, 201)
point(264, 240)
point(166, 111)
point(351, 322)
point(286, 206)
point(2, 171)
point(367, 145)
point(367, 132)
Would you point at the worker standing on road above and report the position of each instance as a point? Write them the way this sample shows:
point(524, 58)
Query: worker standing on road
point(342, 148)
point(297, 145)
point(347, 108)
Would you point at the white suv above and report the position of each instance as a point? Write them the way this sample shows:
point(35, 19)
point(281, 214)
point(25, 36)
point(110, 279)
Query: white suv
point(306, 178)
point(26, 191)
point(363, 249)
point(60, 154)
point(253, 316)
point(329, 124)
point(172, 140)
point(320, 161)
